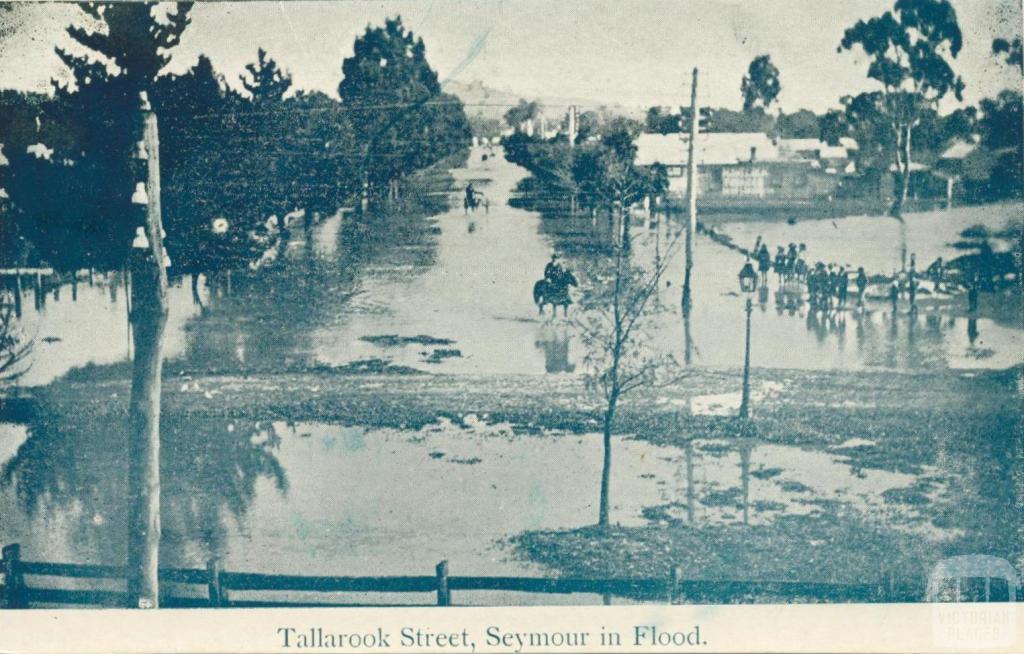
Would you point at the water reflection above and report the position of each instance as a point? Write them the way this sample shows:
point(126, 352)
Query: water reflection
point(780, 342)
point(281, 498)
point(408, 274)
point(554, 341)
point(71, 473)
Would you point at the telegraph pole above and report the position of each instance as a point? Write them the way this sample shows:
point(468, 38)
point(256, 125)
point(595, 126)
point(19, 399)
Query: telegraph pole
point(691, 191)
point(572, 127)
point(148, 263)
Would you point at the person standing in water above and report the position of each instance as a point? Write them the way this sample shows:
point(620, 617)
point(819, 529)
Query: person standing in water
point(844, 286)
point(862, 285)
point(764, 263)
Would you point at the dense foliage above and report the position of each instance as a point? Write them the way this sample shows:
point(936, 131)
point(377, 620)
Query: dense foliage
point(401, 119)
point(599, 172)
point(233, 164)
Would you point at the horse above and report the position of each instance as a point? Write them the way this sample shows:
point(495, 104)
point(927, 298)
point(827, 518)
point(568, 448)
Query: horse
point(472, 204)
point(554, 292)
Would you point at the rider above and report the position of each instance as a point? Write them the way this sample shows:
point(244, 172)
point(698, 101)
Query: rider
point(553, 271)
point(470, 195)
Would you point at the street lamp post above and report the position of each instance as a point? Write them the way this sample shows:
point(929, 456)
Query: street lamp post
point(748, 284)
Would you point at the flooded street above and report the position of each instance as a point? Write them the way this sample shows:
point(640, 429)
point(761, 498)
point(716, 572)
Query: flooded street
point(452, 294)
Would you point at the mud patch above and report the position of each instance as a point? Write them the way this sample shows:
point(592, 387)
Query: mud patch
point(394, 340)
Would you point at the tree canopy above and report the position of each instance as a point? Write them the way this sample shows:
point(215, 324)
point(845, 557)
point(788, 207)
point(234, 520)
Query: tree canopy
point(396, 107)
point(910, 51)
point(760, 86)
point(235, 158)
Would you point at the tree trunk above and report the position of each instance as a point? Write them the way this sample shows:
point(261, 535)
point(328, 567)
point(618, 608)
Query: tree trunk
point(606, 469)
point(627, 225)
point(148, 319)
point(903, 168)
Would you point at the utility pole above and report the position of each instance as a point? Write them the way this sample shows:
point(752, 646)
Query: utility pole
point(691, 191)
point(148, 262)
point(572, 127)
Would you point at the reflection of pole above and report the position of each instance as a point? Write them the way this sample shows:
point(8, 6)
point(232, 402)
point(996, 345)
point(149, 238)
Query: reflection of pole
point(687, 338)
point(745, 401)
point(17, 294)
point(691, 190)
point(745, 479)
point(691, 511)
point(127, 306)
point(149, 318)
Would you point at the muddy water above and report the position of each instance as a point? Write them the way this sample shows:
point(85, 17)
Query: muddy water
point(312, 498)
point(463, 283)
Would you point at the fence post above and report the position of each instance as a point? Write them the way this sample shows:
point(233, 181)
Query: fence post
point(673, 584)
point(215, 588)
point(886, 587)
point(14, 582)
point(444, 596)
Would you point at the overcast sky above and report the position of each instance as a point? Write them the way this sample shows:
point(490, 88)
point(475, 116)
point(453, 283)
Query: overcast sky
point(631, 53)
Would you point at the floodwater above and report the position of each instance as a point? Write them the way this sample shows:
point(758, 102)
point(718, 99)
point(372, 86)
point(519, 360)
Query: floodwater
point(309, 498)
point(452, 293)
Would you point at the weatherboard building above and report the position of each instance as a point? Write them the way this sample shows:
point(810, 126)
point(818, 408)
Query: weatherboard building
point(750, 169)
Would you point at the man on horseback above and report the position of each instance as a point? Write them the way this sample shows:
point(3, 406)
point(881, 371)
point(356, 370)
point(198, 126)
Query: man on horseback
point(471, 201)
point(553, 271)
point(554, 288)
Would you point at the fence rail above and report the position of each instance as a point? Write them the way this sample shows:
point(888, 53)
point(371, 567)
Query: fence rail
point(220, 585)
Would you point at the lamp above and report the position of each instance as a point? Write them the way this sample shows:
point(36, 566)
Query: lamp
point(748, 277)
point(748, 284)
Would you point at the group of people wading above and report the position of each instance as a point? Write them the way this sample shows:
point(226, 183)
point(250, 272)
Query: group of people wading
point(827, 285)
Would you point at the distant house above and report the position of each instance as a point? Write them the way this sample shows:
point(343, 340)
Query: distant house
point(833, 159)
point(963, 164)
point(747, 168)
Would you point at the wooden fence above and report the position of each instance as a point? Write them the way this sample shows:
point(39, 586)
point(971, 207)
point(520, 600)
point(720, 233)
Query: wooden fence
point(217, 586)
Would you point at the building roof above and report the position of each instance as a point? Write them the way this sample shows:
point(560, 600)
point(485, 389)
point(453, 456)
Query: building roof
point(801, 145)
point(914, 167)
point(958, 150)
point(834, 152)
point(715, 148)
point(730, 148)
point(818, 148)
